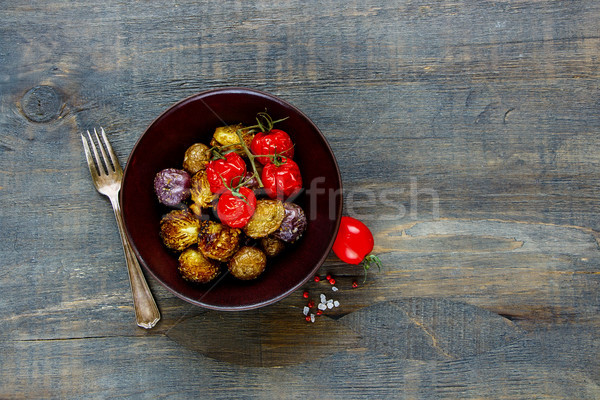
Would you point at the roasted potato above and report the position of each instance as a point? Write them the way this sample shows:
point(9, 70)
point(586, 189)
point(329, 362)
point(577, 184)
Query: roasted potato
point(179, 229)
point(293, 225)
point(226, 138)
point(194, 267)
point(218, 241)
point(272, 246)
point(247, 263)
point(200, 190)
point(196, 157)
point(266, 219)
point(172, 186)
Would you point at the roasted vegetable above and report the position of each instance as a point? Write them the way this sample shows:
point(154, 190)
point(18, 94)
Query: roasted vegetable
point(200, 190)
point(293, 225)
point(274, 141)
point(248, 263)
point(196, 157)
point(235, 207)
point(172, 186)
point(226, 138)
point(179, 229)
point(194, 267)
point(272, 246)
point(266, 219)
point(218, 241)
point(225, 173)
point(282, 179)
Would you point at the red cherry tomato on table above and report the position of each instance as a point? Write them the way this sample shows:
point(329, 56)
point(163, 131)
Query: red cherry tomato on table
point(272, 142)
point(353, 244)
point(236, 208)
point(283, 180)
point(225, 173)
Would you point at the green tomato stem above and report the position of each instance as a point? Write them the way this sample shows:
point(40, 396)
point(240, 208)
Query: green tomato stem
point(216, 154)
point(368, 261)
point(235, 191)
point(250, 157)
point(269, 121)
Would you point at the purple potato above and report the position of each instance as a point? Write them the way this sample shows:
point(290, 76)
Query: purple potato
point(293, 225)
point(172, 186)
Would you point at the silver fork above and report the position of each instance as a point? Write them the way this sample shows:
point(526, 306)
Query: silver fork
point(107, 175)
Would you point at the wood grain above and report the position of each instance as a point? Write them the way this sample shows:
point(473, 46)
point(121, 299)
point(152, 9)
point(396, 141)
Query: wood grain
point(467, 135)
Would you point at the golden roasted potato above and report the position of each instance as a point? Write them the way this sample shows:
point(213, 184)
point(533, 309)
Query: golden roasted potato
point(218, 241)
point(248, 263)
point(272, 246)
point(266, 219)
point(227, 136)
point(179, 229)
point(196, 157)
point(200, 190)
point(194, 267)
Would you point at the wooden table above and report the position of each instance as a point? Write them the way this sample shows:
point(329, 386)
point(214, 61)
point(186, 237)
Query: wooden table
point(467, 133)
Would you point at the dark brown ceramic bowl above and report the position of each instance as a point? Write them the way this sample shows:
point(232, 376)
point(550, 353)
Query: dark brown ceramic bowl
point(194, 120)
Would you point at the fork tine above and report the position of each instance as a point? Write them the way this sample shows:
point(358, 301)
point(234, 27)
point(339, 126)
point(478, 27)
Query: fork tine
point(107, 165)
point(98, 162)
point(111, 152)
point(88, 157)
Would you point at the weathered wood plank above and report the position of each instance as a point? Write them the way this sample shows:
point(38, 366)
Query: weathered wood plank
point(542, 366)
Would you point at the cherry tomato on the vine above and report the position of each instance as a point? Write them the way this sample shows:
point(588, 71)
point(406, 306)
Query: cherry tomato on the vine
point(225, 173)
point(282, 179)
point(236, 208)
point(272, 142)
point(353, 244)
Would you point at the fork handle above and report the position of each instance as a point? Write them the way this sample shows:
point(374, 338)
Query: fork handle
point(146, 311)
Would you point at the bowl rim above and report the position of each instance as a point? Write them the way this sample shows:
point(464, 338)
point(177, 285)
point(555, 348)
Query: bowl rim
point(338, 217)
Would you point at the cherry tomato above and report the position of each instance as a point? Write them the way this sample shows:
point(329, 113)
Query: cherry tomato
point(236, 208)
point(283, 180)
point(353, 244)
point(274, 141)
point(225, 173)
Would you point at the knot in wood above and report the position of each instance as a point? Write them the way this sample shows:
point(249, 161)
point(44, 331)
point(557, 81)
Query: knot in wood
point(41, 104)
